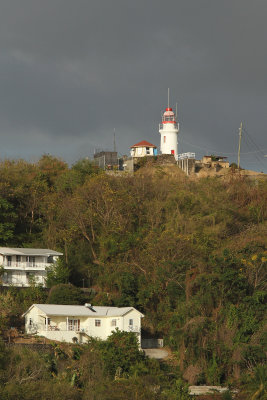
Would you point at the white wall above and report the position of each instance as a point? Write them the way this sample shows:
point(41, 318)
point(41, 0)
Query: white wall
point(170, 133)
point(17, 273)
point(141, 151)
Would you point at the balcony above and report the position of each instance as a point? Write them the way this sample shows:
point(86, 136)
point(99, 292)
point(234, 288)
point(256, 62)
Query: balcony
point(25, 266)
point(55, 328)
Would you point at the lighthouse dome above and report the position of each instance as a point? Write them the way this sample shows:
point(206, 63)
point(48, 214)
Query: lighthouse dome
point(168, 112)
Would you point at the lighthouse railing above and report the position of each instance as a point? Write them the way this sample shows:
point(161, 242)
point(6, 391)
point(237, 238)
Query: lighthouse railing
point(168, 123)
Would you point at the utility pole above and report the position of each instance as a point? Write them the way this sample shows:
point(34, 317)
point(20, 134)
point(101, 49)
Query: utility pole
point(114, 142)
point(239, 145)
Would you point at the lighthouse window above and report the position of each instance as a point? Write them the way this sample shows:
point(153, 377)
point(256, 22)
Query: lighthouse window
point(164, 139)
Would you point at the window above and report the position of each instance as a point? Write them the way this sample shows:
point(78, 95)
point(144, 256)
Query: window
point(9, 277)
point(48, 321)
point(164, 139)
point(9, 259)
point(30, 321)
point(131, 322)
point(30, 277)
point(97, 322)
point(114, 322)
point(30, 260)
point(50, 260)
point(18, 259)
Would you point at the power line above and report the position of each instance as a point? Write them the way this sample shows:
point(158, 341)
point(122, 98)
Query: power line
point(257, 147)
point(248, 144)
point(215, 151)
point(251, 144)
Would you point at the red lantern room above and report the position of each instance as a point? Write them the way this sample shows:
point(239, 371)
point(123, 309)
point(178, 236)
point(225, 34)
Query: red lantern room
point(168, 116)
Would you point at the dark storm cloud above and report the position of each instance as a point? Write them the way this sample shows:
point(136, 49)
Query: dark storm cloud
point(71, 71)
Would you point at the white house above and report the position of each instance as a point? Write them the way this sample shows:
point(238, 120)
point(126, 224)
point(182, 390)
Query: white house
point(71, 323)
point(22, 265)
point(143, 149)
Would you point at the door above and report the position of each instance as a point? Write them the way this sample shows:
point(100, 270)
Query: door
point(74, 325)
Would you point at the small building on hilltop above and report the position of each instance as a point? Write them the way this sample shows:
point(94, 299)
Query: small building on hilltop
point(137, 152)
point(106, 159)
point(76, 324)
point(143, 149)
point(22, 266)
point(215, 161)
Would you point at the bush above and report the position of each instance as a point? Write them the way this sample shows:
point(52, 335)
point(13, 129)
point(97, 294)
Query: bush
point(120, 352)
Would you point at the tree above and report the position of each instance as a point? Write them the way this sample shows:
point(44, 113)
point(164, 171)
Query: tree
point(256, 385)
point(66, 294)
point(7, 221)
point(120, 352)
point(57, 273)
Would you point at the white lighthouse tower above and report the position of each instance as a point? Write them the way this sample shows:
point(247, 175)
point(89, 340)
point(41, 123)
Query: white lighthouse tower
point(168, 130)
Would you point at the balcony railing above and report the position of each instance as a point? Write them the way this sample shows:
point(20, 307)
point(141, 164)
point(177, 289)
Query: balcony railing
point(87, 330)
point(25, 265)
point(53, 328)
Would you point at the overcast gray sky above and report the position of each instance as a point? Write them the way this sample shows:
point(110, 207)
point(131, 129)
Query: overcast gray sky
point(73, 70)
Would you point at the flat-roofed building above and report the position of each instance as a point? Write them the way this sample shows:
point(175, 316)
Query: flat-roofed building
point(23, 266)
point(214, 161)
point(106, 159)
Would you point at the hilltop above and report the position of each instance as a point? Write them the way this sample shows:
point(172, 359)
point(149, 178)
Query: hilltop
point(191, 254)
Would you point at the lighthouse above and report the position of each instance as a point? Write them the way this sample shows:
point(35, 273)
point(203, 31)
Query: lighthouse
point(168, 129)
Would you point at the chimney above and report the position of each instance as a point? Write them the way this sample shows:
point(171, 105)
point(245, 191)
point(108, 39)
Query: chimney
point(88, 305)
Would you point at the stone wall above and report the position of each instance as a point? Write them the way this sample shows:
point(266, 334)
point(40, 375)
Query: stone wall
point(151, 343)
point(39, 347)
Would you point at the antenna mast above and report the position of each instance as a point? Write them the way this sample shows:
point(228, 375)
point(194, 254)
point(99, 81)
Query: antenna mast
point(168, 97)
point(114, 141)
point(239, 145)
point(176, 113)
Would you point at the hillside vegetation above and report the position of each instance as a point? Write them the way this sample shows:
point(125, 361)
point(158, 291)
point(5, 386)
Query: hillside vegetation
point(191, 255)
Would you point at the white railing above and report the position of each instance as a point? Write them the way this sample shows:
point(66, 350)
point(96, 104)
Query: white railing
point(25, 265)
point(184, 156)
point(168, 124)
point(54, 327)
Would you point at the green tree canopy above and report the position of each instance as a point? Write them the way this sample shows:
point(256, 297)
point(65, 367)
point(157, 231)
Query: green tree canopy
point(66, 294)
